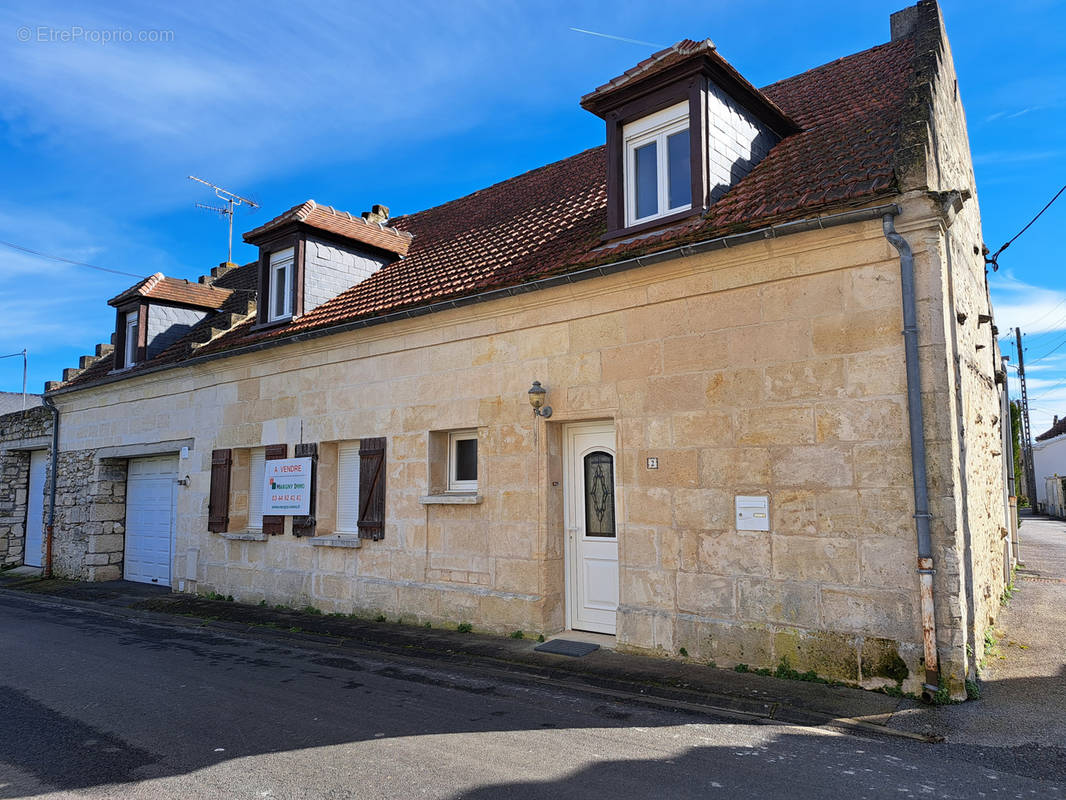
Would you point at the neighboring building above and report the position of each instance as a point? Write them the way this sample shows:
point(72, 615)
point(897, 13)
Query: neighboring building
point(25, 447)
point(1049, 462)
point(713, 303)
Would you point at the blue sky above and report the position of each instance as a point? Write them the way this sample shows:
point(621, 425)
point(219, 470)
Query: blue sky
point(413, 104)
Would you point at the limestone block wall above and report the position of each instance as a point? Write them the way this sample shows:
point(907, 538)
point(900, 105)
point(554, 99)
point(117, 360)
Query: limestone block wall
point(772, 369)
point(167, 324)
point(18, 430)
point(960, 356)
point(90, 516)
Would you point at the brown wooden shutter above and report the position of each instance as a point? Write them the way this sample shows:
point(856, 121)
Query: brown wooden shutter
point(305, 526)
point(273, 524)
point(372, 488)
point(218, 499)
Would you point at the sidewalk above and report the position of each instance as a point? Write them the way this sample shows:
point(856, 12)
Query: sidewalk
point(1023, 685)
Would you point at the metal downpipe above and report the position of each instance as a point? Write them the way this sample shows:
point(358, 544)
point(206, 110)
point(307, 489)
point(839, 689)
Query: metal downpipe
point(918, 460)
point(51, 488)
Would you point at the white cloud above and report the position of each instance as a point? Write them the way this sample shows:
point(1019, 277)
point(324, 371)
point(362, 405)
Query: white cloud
point(1034, 309)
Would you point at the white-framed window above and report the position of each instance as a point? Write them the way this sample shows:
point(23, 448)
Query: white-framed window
point(256, 475)
point(280, 299)
point(658, 164)
point(348, 487)
point(462, 461)
point(132, 331)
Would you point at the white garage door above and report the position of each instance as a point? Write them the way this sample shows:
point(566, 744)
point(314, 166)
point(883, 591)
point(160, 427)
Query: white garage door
point(150, 493)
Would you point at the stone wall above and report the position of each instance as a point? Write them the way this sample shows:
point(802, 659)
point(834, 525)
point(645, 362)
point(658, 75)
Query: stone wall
point(90, 516)
point(19, 433)
point(961, 356)
point(773, 369)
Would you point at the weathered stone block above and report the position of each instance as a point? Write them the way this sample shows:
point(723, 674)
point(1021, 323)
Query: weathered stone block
point(762, 600)
point(709, 595)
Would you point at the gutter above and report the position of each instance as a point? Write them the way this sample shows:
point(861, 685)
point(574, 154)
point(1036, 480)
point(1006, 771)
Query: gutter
point(918, 457)
point(682, 251)
point(49, 528)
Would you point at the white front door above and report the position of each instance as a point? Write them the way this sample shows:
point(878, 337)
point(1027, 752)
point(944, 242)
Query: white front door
point(591, 530)
point(150, 495)
point(32, 555)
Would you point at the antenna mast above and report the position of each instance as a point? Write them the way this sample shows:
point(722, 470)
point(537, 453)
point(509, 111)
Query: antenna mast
point(232, 201)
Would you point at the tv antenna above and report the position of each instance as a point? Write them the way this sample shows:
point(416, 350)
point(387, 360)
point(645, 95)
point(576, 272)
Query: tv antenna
point(232, 201)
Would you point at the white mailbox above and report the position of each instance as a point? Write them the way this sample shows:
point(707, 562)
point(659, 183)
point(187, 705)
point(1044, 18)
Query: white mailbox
point(753, 513)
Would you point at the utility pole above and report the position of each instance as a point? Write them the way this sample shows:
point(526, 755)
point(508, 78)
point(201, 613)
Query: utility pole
point(1027, 441)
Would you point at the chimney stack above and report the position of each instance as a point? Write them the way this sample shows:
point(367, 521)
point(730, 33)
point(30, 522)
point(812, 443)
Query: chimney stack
point(378, 213)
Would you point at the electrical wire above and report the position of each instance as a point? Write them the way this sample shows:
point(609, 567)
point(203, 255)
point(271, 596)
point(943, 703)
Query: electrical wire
point(60, 259)
point(993, 258)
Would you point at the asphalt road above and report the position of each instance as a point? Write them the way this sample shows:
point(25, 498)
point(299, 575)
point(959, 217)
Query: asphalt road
point(100, 703)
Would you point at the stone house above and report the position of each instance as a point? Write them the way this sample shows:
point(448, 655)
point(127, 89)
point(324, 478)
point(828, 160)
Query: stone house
point(730, 449)
point(25, 447)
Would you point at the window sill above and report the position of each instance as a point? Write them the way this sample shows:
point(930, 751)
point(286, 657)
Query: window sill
point(337, 540)
point(243, 536)
point(464, 499)
point(651, 224)
point(270, 324)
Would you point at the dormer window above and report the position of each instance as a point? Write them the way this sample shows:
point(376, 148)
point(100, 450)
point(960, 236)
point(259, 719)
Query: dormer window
point(312, 253)
point(131, 338)
point(658, 160)
point(683, 127)
point(281, 284)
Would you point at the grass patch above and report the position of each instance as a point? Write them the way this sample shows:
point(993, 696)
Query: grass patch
point(464, 627)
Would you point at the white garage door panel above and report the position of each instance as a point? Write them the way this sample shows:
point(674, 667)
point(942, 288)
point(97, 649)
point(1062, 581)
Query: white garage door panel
point(150, 493)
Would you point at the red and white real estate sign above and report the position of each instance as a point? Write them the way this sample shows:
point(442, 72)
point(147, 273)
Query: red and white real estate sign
point(287, 487)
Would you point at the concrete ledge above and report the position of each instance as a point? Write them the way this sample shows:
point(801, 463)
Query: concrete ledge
point(33, 443)
point(243, 536)
point(451, 499)
point(337, 540)
point(151, 449)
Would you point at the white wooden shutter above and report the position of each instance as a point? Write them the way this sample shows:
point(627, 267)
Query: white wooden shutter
point(256, 471)
point(348, 487)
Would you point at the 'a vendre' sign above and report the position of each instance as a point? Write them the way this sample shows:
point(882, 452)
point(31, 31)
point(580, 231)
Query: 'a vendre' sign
point(287, 487)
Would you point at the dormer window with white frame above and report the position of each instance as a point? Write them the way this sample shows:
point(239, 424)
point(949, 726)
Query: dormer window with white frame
point(281, 284)
point(131, 341)
point(658, 171)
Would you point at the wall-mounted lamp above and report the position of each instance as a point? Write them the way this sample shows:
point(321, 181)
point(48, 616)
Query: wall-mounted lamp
point(537, 393)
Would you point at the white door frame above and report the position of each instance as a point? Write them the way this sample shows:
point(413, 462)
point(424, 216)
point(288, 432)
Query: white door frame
point(573, 503)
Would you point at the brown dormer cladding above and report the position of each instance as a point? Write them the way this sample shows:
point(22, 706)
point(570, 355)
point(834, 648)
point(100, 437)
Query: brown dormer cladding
point(688, 72)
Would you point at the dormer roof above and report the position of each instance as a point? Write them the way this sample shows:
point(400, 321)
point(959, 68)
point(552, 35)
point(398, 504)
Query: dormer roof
point(162, 289)
point(311, 215)
point(677, 62)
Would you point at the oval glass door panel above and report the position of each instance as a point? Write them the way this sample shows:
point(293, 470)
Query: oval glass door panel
point(599, 495)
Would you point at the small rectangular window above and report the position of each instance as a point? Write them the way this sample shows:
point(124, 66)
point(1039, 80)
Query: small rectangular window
point(132, 334)
point(462, 461)
point(348, 488)
point(281, 266)
point(256, 474)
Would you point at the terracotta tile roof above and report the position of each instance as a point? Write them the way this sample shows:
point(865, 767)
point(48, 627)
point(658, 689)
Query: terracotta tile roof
point(173, 290)
point(550, 220)
point(684, 51)
point(653, 64)
point(341, 223)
